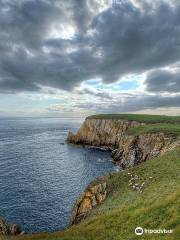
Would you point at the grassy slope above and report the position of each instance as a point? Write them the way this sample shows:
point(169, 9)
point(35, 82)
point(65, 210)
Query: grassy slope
point(169, 125)
point(139, 118)
point(125, 209)
point(167, 129)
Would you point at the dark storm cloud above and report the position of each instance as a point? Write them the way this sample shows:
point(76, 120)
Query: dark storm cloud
point(132, 103)
point(163, 81)
point(134, 41)
point(108, 45)
point(12, 86)
point(26, 23)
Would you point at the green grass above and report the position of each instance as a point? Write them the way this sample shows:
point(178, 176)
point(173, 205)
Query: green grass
point(168, 129)
point(125, 208)
point(139, 118)
point(169, 125)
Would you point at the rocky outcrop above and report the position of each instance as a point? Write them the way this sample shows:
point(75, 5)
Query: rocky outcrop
point(9, 229)
point(133, 150)
point(127, 150)
point(101, 132)
point(94, 195)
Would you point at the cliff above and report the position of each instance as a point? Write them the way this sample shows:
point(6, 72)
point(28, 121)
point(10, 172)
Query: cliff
point(112, 134)
point(145, 195)
point(127, 150)
point(101, 132)
point(133, 150)
point(93, 195)
point(9, 229)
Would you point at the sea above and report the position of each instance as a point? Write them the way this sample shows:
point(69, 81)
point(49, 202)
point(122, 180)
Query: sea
point(41, 176)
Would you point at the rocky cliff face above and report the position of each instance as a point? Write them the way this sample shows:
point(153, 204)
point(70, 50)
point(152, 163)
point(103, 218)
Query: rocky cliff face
point(133, 150)
point(101, 132)
point(9, 229)
point(94, 195)
point(126, 150)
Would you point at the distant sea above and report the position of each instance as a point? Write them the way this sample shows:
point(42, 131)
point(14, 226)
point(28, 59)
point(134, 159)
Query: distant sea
point(41, 176)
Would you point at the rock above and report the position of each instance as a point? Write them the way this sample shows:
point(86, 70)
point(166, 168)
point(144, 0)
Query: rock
point(94, 189)
point(101, 197)
point(14, 229)
point(95, 194)
point(104, 185)
point(71, 138)
point(3, 227)
point(93, 201)
point(100, 188)
point(85, 205)
point(101, 132)
point(87, 194)
point(127, 151)
point(6, 229)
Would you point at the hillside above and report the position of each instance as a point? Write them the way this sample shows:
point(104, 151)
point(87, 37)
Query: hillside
point(131, 138)
point(168, 129)
point(125, 209)
point(143, 118)
point(146, 193)
point(170, 125)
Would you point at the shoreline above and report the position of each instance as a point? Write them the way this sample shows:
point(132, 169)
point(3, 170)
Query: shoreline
point(98, 190)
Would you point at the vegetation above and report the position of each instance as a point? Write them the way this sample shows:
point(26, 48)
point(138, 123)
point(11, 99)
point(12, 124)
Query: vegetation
point(168, 129)
point(169, 125)
point(125, 209)
point(139, 118)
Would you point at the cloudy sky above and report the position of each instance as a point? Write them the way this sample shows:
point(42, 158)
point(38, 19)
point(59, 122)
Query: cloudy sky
point(80, 57)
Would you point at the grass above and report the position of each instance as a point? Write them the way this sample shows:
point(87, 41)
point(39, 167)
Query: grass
point(125, 208)
point(139, 118)
point(168, 129)
point(169, 125)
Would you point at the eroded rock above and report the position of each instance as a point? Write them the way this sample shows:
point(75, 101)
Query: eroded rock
point(101, 132)
point(136, 149)
point(95, 194)
point(6, 229)
point(127, 150)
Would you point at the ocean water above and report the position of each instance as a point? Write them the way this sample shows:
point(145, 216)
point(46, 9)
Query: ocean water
point(41, 176)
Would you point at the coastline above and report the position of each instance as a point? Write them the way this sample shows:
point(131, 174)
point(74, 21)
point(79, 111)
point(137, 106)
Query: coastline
point(127, 151)
point(96, 193)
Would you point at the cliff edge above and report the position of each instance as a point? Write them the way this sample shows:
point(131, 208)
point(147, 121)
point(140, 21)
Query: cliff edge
point(145, 195)
point(9, 229)
point(115, 134)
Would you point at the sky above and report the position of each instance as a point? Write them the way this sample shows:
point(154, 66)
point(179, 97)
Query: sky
point(75, 58)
